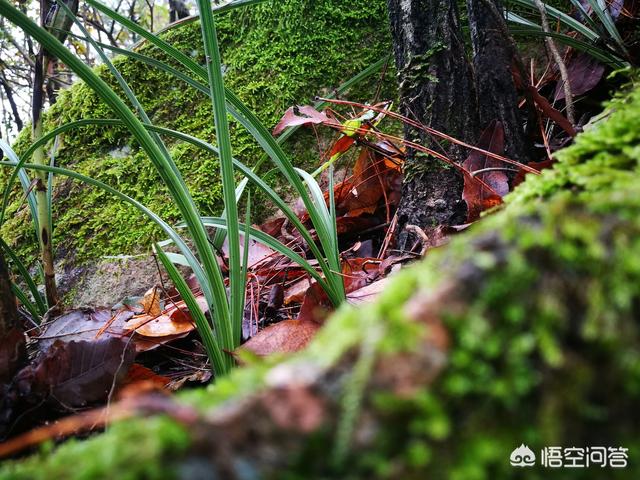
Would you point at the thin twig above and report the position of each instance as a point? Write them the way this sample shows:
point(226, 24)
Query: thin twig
point(551, 45)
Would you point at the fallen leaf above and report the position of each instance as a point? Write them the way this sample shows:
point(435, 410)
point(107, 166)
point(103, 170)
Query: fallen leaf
point(283, 337)
point(485, 190)
point(199, 376)
point(368, 293)
point(83, 325)
point(141, 380)
point(301, 115)
point(151, 301)
point(258, 252)
point(74, 374)
point(175, 320)
point(584, 73)
point(551, 112)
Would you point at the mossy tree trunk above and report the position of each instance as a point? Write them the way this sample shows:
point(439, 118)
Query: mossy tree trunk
point(435, 88)
point(494, 55)
point(439, 88)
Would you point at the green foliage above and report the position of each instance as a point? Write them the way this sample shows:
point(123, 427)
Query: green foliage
point(136, 450)
point(276, 55)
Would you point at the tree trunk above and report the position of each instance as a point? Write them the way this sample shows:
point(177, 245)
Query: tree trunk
point(436, 88)
point(12, 343)
point(494, 55)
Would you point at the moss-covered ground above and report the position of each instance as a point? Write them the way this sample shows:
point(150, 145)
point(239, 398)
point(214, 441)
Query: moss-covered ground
point(276, 55)
point(540, 303)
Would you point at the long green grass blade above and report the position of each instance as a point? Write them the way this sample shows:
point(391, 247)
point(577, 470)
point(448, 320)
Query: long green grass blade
point(223, 139)
point(26, 278)
point(603, 56)
point(219, 359)
point(564, 18)
point(602, 12)
point(244, 116)
point(26, 187)
point(24, 299)
point(249, 173)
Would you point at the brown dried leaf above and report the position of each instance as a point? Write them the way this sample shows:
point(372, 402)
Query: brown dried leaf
point(283, 337)
point(74, 374)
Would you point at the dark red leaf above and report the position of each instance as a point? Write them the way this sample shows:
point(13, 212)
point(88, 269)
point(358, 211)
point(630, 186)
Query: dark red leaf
point(486, 189)
point(283, 337)
point(551, 112)
point(584, 72)
point(74, 374)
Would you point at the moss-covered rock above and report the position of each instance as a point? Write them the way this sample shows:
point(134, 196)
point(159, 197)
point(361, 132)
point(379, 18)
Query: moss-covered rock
point(276, 55)
point(523, 330)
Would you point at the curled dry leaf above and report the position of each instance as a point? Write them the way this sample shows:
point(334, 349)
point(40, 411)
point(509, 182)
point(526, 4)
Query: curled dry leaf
point(175, 320)
point(151, 301)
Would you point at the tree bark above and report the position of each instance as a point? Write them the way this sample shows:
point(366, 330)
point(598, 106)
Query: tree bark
point(494, 55)
point(12, 103)
point(436, 88)
point(12, 343)
point(178, 9)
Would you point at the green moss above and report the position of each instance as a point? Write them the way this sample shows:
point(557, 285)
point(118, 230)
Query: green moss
point(275, 56)
point(131, 450)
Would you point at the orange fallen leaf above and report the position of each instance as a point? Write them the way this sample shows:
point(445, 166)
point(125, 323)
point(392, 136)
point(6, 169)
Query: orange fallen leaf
point(175, 320)
point(151, 301)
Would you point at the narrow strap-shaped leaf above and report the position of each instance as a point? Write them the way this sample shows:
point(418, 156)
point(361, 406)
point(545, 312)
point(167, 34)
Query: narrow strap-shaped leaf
point(221, 361)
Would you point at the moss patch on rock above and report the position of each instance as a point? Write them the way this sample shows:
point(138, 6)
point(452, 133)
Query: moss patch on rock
point(275, 55)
